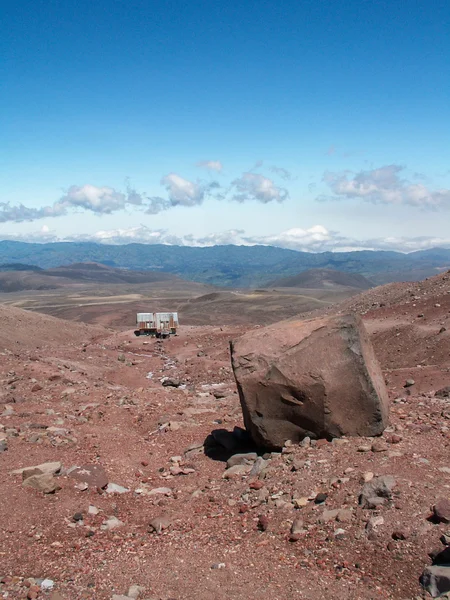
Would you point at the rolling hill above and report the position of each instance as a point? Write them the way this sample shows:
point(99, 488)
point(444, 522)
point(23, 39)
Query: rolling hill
point(322, 279)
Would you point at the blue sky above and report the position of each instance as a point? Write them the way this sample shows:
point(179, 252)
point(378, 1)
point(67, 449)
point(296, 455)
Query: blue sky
point(310, 124)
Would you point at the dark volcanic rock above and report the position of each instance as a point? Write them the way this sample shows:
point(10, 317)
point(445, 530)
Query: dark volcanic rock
point(317, 378)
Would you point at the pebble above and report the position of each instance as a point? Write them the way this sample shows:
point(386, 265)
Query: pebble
point(159, 524)
point(263, 522)
point(111, 523)
point(379, 446)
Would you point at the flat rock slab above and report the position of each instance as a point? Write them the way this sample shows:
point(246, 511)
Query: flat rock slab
point(93, 475)
point(318, 378)
point(49, 467)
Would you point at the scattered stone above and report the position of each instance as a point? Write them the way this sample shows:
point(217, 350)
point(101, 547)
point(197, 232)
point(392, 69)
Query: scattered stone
point(171, 382)
point(258, 467)
point(111, 523)
point(121, 358)
point(165, 491)
point(114, 488)
point(263, 522)
point(344, 516)
point(3, 445)
point(441, 510)
point(45, 483)
point(78, 517)
point(47, 585)
point(368, 476)
point(134, 591)
point(320, 498)
point(379, 446)
point(339, 534)
point(443, 392)
point(377, 491)
point(364, 448)
point(159, 524)
point(236, 471)
point(328, 515)
point(409, 383)
point(300, 502)
point(399, 535)
point(242, 459)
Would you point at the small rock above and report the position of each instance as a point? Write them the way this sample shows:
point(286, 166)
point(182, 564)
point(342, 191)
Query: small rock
point(339, 534)
point(43, 483)
point(258, 467)
point(236, 471)
point(47, 584)
point(263, 522)
point(320, 498)
point(114, 488)
point(171, 382)
point(441, 510)
point(300, 502)
point(399, 535)
point(159, 524)
point(77, 517)
point(328, 515)
point(375, 492)
point(364, 448)
point(409, 383)
point(134, 591)
point(379, 446)
point(242, 459)
point(297, 526)
point(111, 523)
point(344, 516)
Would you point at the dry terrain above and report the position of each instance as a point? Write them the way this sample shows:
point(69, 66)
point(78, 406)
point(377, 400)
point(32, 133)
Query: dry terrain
point(176, 523)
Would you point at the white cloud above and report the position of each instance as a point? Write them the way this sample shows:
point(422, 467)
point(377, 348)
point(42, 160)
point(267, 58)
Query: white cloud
point(182, 191)
point(384, 186)
point(253, 186)
point(102, 200)
point(211, 165)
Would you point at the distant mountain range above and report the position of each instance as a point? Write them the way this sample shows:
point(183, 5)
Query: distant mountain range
point(234, 266)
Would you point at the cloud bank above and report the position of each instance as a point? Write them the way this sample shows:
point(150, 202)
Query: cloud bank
point(312, 239)
point(383, 186)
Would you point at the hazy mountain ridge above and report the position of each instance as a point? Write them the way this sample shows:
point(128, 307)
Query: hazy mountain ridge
point(234, 266)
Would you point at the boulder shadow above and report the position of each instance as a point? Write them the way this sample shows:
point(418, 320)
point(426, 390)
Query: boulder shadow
point(221, 444)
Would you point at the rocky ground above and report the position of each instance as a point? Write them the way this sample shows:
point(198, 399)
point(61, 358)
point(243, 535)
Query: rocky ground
point(141, 501)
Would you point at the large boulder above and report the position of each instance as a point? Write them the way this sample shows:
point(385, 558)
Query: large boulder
point(318, 378)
